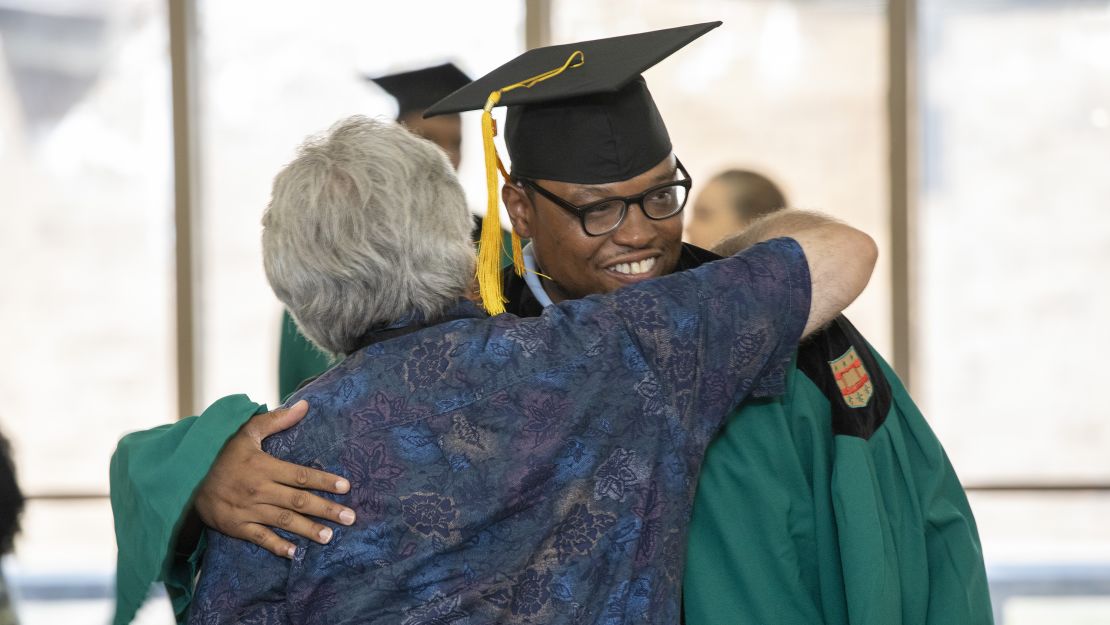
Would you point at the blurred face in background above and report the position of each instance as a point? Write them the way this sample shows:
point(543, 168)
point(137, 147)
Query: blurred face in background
point(729, 203)
point(714, 215)
point(444, 131)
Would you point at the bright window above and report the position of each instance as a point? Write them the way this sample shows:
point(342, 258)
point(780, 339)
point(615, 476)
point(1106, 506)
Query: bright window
point(87, 272)
point(1014, 237)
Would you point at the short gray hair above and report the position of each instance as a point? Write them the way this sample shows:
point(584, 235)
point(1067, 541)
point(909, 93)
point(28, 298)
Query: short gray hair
point(367, 225)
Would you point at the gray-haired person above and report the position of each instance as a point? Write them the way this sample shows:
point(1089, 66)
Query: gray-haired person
point(501, 469)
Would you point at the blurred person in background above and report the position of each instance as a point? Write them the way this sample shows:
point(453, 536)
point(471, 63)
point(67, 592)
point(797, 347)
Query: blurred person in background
point(729, 203)
point(11, 507)
point(415, 91)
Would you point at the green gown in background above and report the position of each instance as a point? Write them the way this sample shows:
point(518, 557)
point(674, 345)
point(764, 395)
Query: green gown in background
point(298, 358)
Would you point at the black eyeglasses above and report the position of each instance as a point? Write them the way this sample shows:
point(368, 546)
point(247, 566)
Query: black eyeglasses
point(660, 202)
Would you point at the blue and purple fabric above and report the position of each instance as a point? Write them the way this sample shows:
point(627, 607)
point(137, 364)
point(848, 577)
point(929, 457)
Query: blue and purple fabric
point(512, 470)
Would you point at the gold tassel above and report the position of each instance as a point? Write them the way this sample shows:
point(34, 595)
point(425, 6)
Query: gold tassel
point(489, 242)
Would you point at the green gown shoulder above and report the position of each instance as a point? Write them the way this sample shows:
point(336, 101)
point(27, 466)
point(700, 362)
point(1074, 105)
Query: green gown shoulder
point(833, 504)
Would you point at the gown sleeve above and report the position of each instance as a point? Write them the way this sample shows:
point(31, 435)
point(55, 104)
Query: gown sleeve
point(909, 543)
point(153, 475)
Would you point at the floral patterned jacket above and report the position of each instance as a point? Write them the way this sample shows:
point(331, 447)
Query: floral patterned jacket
point(513, 470)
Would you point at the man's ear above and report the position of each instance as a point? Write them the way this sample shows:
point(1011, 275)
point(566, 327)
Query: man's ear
point(519, 207)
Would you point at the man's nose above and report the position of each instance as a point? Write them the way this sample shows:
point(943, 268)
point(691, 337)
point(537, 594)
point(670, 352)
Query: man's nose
point(636, 230)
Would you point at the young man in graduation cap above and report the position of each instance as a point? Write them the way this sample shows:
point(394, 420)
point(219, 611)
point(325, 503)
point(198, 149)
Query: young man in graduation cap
point(832, 504)
point(414, 91)
point(596, 186)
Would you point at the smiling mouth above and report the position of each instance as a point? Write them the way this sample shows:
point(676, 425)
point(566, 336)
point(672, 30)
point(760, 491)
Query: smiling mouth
point(638, 268)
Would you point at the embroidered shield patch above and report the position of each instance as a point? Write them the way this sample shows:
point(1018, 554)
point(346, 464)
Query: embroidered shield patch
point(852, 379)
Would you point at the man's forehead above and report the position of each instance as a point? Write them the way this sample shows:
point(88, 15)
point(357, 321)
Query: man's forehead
point(665, 174)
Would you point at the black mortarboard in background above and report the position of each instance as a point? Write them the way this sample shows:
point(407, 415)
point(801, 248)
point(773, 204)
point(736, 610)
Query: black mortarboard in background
point(415, 91)
point(594, 123)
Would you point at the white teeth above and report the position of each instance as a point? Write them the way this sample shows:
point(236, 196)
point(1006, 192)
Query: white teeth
point(635, 268)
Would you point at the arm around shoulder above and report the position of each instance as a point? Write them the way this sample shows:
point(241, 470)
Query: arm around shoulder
point(840, 258)
point(153, 476)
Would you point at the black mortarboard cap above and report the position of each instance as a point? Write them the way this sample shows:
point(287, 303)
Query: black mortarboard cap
point(421, 88)
point(594, 123)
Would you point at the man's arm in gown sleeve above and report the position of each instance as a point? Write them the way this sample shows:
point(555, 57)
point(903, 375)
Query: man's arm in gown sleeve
point(154, 475)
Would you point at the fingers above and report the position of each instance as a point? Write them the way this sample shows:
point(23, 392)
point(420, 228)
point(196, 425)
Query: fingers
point(298, 524)
point(305, 503)
point(263, 425)
point(264, 537)
point(303, 477)
point(247, 491)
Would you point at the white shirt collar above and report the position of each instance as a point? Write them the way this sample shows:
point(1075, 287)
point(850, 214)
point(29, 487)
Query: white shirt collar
point(533, 280)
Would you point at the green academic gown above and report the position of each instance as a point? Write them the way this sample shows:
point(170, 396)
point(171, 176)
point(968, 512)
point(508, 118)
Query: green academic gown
point(834, 504)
